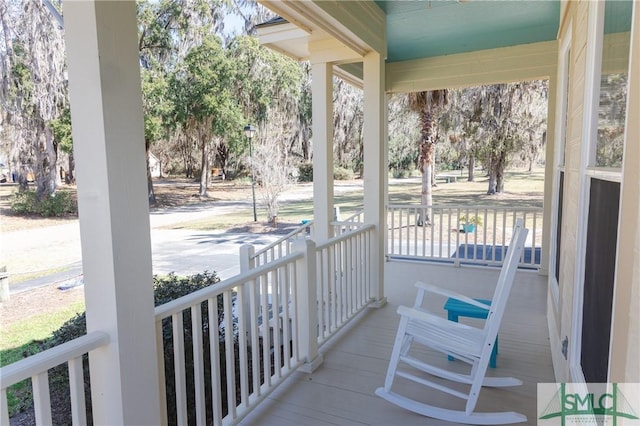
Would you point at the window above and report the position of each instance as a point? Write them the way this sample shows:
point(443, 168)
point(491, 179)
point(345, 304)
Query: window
point(612, 105)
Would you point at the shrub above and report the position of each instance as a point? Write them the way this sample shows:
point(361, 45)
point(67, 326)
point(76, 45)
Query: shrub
point(340, 173)
point(58, 204)
point(400, 173)
point(305, 172)
point(24, 202)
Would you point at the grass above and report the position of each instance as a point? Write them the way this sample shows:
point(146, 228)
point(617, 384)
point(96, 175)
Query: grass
point(23, 339)
point(34, 329)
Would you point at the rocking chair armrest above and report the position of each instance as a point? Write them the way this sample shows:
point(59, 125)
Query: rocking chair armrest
point(423, 287)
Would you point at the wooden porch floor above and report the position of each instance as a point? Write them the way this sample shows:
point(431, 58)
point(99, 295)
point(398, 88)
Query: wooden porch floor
point(341, 391)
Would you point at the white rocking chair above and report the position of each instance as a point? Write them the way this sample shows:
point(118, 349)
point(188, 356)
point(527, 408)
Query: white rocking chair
point(469, 344)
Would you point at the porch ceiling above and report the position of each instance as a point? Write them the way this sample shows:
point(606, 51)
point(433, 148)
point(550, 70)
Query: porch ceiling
point(422, 29)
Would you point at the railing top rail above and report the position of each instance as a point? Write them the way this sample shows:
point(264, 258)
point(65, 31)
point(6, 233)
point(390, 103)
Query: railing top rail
point(43, 361)
point(345, 223)
point(345, 236)
point(463, 207)
point(184, 302)
point(353, 216)
point(296, 231)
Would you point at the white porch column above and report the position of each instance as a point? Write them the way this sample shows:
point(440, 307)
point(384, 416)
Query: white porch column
point(549, 170)
point(375, 165)
point(106, 112)
point(322, 113)
point(625, 327)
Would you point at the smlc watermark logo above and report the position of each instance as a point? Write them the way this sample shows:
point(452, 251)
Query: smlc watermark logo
point(588, 404)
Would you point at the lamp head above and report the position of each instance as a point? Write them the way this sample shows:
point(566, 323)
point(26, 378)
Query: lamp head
point(249, 131)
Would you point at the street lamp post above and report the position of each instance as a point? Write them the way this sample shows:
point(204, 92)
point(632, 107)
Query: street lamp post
point(249, 132)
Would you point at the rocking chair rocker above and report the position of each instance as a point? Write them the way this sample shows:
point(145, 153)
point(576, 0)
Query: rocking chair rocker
point(469, 344)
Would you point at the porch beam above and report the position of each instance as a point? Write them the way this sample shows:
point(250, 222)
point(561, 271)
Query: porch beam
point(375, 166)
point(107, 119)
point(322, 113)
point(331, 50)
point(507, 64)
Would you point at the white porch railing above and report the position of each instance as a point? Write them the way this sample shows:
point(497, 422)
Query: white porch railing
point(343, 277)
point(36, 368)
point(445, 239)
point(223, 349)
point(353, 222)
point(282, 246)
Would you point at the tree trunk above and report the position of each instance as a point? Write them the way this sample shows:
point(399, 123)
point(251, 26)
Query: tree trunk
point(424, 217)
point(491, 170)
point(151, 193)
point(46, 171)
point(204, 172)
point(472, 165)
point(492, 183)
point(70, 173)
point(499, 170)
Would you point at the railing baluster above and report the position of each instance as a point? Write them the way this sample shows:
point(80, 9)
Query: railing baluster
point(534, 233)
point(495, 235)
point(242, 345)
point(449, 231)
point(198, 363)
point(524, 220)
point(359, 270)
point(41, 399)
point(230, 355)
point(161, 375)
point(214, 351)
point(392, 231)
point(286, 330)
point(485, 242)
point(178, 363)
point(415, 233)
point(348, 275)
point(457, 259)
point(322, 298)
point(400, 230)
point(431, 229)
point(266, 339)
point(504, 234)
point(255, 340)
point(440, 230)
point(76, 391)
point(4, 407)
point(277, 326)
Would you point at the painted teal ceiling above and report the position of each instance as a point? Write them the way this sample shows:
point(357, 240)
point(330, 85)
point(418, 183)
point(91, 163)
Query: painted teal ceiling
point(418, 29)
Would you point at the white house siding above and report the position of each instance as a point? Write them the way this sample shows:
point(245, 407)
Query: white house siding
point(624, 354)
